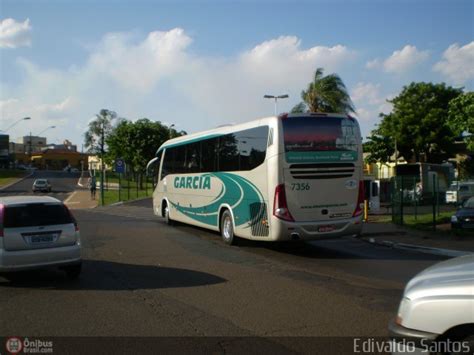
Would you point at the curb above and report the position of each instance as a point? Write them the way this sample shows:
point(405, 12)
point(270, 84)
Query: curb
point(129, 201)
point(17, 181)
point(422, 249)
point(368, 234)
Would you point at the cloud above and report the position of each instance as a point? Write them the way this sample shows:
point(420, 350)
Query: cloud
point(458, 63)
point(366, 93)
point(122, 60)
point(400, 61)
point(15, 34)
point(370, 102)
point(159, 76)
point(373, 64)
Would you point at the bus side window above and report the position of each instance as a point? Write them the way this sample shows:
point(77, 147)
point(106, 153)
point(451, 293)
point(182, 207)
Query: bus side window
point(193, 158)
point(209, 155)
point(167, 165)
point(179, 162)
point(155, 172)
point(228, 153)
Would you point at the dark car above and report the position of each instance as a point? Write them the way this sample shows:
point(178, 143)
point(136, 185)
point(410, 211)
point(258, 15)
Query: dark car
point(464, 217)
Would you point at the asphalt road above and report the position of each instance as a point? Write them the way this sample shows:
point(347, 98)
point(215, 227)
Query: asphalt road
point(142, 278)
point(62, 184)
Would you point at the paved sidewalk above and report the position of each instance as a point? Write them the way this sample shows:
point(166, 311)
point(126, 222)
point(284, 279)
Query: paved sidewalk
point(393, 235)
point(81, 199)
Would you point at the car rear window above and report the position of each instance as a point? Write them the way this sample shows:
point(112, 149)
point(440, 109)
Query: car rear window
point(36, 214)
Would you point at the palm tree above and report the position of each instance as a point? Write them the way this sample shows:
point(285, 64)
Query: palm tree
point(325, 94)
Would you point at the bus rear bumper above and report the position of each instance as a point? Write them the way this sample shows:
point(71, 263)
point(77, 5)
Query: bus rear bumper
point(284, 230)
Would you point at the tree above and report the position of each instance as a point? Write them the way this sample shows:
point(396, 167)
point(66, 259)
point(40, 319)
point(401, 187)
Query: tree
point(137, 142)
point(379, 147)
point(299, 108)
point(461, 116)
point(99, 129)
point(419, 122)
point(325, 94)
point(95, 137)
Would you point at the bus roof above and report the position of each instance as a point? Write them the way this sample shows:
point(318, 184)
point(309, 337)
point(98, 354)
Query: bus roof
point(226, 129)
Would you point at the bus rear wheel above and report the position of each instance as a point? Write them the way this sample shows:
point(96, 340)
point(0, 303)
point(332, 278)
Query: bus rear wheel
point(227, 228)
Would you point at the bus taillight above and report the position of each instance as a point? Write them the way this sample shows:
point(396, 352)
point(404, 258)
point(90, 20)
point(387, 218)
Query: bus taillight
point(360, 200)
point(280, 206)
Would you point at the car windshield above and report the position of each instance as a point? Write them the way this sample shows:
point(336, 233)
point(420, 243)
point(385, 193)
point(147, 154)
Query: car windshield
point(469, 203)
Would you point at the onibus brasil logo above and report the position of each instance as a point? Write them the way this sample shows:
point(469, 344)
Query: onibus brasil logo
point(16, 345)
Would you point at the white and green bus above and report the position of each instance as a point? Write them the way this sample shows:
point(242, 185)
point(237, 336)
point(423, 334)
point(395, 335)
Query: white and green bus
point(279, 178)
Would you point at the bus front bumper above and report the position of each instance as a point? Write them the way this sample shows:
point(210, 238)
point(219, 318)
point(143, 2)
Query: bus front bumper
point(285, 230)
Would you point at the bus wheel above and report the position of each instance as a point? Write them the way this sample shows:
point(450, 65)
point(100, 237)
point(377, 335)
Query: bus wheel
point(166, 214)
point(227, 228)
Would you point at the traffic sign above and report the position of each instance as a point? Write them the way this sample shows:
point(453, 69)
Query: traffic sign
point(119, 166)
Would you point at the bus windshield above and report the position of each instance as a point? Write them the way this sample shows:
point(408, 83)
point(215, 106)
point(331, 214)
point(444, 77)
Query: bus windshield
point(320, 139)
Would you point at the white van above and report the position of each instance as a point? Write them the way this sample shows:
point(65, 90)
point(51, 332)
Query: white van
point(459, 192)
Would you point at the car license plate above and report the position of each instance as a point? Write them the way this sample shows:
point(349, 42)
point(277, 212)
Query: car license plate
point(42, 238)
point(327, 228)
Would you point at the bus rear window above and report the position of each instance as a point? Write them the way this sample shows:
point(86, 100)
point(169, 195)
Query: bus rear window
point(320, 139)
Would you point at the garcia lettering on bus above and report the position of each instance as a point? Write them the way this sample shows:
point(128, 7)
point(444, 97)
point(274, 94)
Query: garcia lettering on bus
point(193, 182)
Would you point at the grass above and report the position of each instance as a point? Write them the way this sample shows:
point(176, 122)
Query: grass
point(7, 176)
point(424, 222)
point(112, 196)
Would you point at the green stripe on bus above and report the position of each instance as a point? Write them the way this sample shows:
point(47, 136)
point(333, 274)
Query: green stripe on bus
point(309, 157)
point(237, 192)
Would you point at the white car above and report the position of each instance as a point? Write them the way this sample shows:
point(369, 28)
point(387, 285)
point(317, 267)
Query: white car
point(436, 314)
point(36, 232)
point(42, 185)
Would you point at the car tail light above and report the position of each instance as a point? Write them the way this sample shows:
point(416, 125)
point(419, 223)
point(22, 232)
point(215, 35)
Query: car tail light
point(280, 206)
point(76, 226)
point(2, 211)
point(360, 201)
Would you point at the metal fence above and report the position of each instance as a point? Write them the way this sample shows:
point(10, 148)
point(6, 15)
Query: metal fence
point(127, 186)
point(421, 203)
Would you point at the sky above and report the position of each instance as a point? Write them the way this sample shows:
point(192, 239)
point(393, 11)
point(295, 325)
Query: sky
point(201, 64)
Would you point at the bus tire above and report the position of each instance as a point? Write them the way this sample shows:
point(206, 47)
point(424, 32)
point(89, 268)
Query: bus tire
point(227, 228)
point(166, 214)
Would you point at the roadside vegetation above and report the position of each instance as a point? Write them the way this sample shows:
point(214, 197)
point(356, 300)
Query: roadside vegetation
point(8, 176)
point(424, 222)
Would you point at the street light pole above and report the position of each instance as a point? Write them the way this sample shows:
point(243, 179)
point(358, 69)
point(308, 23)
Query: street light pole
point(44, 130)
point(16, 122)
point(102, 142)
point(276, 97)
point(169, 131)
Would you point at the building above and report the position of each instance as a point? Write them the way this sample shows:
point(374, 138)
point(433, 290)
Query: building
point(32, 143)
point(4, 150)
point(58, 159)
point(67, 145)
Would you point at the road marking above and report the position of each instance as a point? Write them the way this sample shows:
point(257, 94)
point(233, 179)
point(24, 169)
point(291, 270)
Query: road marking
point(70, 197)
